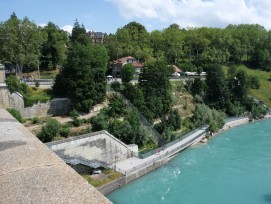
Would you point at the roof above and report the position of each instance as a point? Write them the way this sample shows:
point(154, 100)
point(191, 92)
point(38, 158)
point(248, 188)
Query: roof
point(177, 69)
point(31, 173)
point(124, 60)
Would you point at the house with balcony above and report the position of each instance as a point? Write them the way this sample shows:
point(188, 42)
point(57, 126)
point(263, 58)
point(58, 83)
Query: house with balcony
point(119, 63)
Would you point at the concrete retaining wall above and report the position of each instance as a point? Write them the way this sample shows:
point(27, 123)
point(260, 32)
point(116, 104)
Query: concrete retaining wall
point(58, 106)
point(114, 185)
point(93, 147)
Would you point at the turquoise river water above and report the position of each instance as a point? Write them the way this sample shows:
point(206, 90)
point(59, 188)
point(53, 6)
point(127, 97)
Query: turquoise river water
point(233, 168)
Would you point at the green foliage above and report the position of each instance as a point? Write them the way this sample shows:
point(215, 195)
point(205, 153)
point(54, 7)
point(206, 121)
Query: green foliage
point(75, 117)
point(121, 130)
point(258, 111)
point(16, 114)
point(115, 86)
point(82, 78)
point(216, 87)
point(132, 39)
point(213, 126)
point(37, 84)
point(117, 106)
point(127, 73)
point(30, 97)
point(13, 83)
point(204, 115)
point(54, 48)
point(198, 87)
point(74, 114)
point(100, 122)
point(64, 131)
point(49, 131)
point(254, 82)
point(20, 43)
point(156, 89)
point(235, 109)
point(35, 120)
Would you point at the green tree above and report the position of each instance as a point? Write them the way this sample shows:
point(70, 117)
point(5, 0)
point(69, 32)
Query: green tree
point(20, 43)
point(173, 43)
point(100, 122)
point(121, 130)
point(127, 73)
point(49, 131)
point(82, 78)
point(198, 87)
point(54, 48)
point(216, 87)
point(13, 84)
point(241, 85)
point(156, 88)
point(117, 106)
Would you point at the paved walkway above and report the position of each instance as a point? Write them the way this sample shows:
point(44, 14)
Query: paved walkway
point(134, 164)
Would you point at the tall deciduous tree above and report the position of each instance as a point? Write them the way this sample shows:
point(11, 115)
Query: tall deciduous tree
point(216, 90)
point(127, 73)
point(20, 43)
point(54, 48)
point(156, 88)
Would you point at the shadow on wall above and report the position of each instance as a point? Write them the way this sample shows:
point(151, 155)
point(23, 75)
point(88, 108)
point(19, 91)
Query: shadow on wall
point(58, 106)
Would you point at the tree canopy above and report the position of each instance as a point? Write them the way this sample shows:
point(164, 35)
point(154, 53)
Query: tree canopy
point(82, 78)
point(20, 43)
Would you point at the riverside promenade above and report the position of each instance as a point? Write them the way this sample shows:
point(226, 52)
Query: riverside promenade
point(134, 165)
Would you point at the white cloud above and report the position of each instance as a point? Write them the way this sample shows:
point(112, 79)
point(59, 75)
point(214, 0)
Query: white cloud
point(67, 28)
point(214, 13)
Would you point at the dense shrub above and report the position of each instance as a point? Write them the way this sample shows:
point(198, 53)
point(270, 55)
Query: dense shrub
point(100, 122)
point(64, 131)
point(49, 131)
point(35, 120)
point(16, 114)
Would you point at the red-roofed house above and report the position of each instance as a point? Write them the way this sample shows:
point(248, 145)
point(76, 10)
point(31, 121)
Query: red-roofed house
point(117, 65)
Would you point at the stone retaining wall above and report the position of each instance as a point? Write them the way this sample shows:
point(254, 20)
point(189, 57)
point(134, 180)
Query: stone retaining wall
point(112, 186)
point(58, 106)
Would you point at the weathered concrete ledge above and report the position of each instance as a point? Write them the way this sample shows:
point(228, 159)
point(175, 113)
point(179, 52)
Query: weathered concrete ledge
point(31, 173)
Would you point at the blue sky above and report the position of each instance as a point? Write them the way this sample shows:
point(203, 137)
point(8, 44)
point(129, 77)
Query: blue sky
point(108, 15)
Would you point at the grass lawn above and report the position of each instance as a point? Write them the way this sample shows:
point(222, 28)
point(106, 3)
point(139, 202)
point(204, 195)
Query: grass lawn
point(264, 93)
point(98, 180)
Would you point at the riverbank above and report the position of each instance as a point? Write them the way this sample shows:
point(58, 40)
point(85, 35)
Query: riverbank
point(134, 168)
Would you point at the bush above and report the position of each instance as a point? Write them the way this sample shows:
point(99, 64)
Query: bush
point(49, 131)
point(35, 120)
point(77, 122)
point(64, 131)
point(100, 122)
point(16, 114)
point(254, 82)
point(13, 84)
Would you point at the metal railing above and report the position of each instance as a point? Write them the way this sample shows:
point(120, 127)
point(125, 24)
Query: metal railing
point(162, 155)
